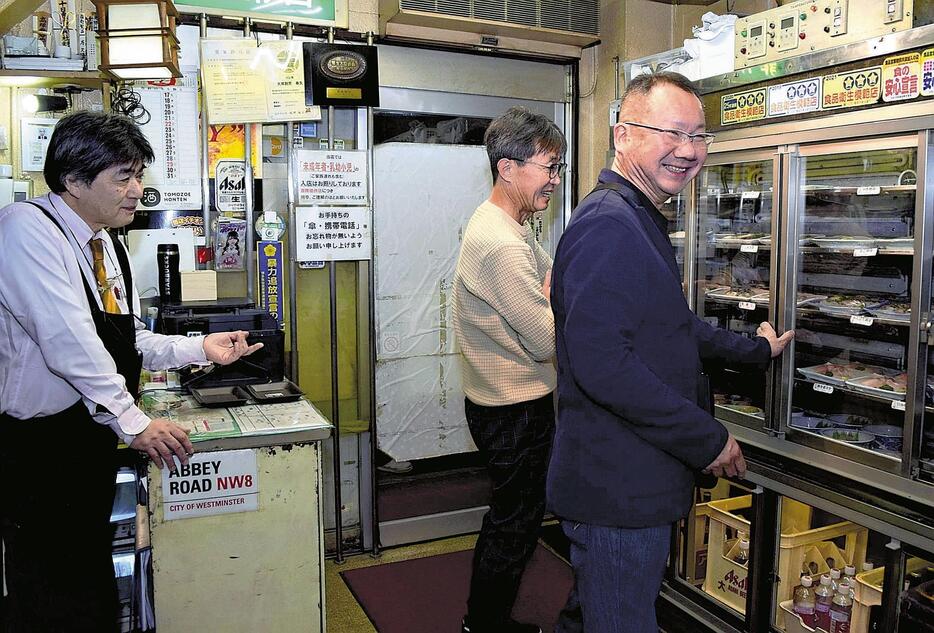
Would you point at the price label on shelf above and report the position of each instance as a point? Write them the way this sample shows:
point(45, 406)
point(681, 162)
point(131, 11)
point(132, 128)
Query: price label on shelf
point(747, 305)
point(749, 248)
point(750, 195)
point(822, 388)
point(858, 319)
point(898, 405)
point(868, 191)
point(865, 252)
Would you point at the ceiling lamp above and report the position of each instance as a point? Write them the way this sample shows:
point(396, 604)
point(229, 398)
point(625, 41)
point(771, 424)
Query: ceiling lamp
point(138, 39)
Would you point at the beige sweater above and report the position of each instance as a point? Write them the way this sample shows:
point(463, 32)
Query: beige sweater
point(502, 321)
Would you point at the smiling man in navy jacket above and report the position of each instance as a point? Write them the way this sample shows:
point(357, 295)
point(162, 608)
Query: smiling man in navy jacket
point(630, 432)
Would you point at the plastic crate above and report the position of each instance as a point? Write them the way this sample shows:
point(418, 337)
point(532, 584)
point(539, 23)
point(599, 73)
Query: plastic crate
point(726, 580)
point(869, 592)
point(793, 621)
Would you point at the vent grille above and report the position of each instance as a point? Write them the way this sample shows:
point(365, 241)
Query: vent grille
point(577, 16)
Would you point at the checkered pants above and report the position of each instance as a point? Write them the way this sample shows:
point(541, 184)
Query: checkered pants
point(515, 441)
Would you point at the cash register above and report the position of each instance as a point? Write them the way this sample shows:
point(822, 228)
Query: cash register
point(194, 318)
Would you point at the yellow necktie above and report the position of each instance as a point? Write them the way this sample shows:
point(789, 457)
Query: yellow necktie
point(106, 290)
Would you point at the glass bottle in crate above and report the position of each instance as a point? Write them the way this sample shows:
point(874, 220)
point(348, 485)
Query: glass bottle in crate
point(841, 609)
point(804, 601)
point(742, 555)
point(823, 598)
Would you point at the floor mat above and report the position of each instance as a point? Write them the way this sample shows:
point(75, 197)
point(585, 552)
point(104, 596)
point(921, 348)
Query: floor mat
point(429, 595)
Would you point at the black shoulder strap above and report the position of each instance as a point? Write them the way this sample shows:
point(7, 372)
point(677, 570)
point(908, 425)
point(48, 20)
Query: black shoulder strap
point(92, 301)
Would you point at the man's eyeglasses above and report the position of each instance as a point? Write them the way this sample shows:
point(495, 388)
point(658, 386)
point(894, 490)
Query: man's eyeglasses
point(554, 170)
point(677, 137)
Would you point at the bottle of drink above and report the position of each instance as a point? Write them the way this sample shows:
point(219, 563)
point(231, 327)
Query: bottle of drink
point(840, 610)
point(823, 598)
point(742, 556)
point(804, 601)
point(834, 579)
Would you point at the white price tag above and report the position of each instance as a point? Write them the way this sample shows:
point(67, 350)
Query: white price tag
point(749, 248)
point(865, 252)
point(898, 405)
point(822, 388)
point(747, 195)
point(868, 191)
point(747, 305)
point(858, 319)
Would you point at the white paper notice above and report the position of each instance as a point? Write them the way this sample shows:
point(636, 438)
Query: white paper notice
point(333, 233)
point(331, 177)
point(35, 135)
point(173, 180)
point(211, 483)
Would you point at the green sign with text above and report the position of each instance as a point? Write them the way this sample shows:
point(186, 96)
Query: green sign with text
point(322, 12)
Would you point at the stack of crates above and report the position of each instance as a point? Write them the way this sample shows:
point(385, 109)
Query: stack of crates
point(800, 547)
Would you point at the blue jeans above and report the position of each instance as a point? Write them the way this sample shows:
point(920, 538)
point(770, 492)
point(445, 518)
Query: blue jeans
point(617, 575)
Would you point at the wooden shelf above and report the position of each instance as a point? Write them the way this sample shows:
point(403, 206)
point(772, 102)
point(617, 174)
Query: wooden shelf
point(49, 78)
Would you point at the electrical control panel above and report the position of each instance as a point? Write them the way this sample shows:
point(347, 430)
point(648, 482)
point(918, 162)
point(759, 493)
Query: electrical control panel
point(812, 25)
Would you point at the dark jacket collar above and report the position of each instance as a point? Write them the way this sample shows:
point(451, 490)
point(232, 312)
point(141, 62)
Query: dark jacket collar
point(608, 175)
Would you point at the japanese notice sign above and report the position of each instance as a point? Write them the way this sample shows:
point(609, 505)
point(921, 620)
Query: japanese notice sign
point(795, 97)
point(742, 106)
point(333, 233)
point(211, 483)
point(172, 180)
point(250, 82)
point(269, 265)
point(854, 88)
point(331, 177)
point(927, 72)
point(901, 77)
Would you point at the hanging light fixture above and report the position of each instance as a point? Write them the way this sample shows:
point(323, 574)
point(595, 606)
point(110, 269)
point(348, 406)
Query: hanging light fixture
point(137, 39)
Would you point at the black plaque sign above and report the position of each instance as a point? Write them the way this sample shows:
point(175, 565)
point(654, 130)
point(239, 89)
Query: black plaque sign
point(341, 75)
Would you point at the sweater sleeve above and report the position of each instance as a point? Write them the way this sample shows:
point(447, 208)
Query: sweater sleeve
point(509, 282)
point(601, 274)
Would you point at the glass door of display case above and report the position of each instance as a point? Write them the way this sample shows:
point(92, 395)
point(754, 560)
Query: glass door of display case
point(674, 211)
point(852, 232)
point(733, 261)
point(919, 445)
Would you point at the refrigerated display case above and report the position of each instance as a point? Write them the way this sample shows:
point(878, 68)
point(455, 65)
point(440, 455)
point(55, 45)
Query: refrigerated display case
point(733, 263)
point(824, 226)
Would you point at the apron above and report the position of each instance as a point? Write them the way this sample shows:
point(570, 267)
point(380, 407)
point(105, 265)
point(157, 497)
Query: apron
point(57, 485)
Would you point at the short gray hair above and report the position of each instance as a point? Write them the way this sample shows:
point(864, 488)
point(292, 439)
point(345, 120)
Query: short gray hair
point(520, 134)
point(642, 85)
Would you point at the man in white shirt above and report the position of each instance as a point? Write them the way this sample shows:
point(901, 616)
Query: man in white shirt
point(71, 349)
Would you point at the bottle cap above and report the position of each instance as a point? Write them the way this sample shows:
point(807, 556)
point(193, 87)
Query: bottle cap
point(807, 581)
point(152, 312)
point(744, 544)
point(168, 248)
point(849, 570)
point(825, 579)
point(835, 573)
point(867, 566)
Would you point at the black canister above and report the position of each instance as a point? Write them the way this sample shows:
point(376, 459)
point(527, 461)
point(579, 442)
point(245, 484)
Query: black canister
point(170, 280)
